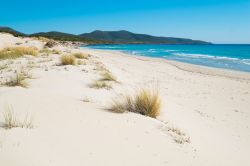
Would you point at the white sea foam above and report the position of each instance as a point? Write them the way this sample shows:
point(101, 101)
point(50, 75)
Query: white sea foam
point(152, 51)
point(246, 60)
point(207, 56)
point(172, 50)
point(247, 63)
point(134, 52)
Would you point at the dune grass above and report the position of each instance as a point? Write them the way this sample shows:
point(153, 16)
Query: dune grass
point(101, 68)
point(3, 66)
point(68, 60)
point(108, 76)
point(16, 52)
point(17, 80)
point(117, 107)
point(178, 136)
point(81, 62)
point(43, 39)
point(55, 51)
point(11, 120)
point(81, 55)
point(50, 51)
point(51, 43)
point(145, 102)
point(100, 85)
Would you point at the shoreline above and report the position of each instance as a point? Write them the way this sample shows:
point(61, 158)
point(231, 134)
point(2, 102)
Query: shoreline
point(188, 67)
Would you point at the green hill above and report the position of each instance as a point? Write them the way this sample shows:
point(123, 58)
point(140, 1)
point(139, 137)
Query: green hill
point(11, 31)
point(106, 37)
point(129, 37)
point(65, 37)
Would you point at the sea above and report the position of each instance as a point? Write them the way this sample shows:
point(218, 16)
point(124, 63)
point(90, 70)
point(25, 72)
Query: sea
point(227, 56)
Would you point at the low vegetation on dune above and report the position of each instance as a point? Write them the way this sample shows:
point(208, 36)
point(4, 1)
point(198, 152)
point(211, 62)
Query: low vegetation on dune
point(68, 60)
point(11, 120)
point(43, 39)
point(80, 62)
point(17, 80)
point(145, 102)
point(108, 76)
point(81, 55)
point(100, 67)
point(50, 51)
point(16, 52)
point(100, 85)
point(177, 134)
point(51, 43)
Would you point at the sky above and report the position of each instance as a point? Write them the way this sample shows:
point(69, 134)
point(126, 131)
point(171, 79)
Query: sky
point(217, 21)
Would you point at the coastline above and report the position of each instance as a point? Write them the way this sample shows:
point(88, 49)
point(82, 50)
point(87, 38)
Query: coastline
point(205, 110)
point(232, 57)
point(188, 67)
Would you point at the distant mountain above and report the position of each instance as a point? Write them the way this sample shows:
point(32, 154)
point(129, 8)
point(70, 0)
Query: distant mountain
point(11, 31)
point(107, 37)
point(129, 37)
point(53, 35)
point(65, 37)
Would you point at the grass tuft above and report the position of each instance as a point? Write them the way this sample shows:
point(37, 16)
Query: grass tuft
point(117, 107)
point(17, 80)
point(68, 60)
point(43, 39)
point(108, 76)
point(11, 121)
point(145, 102)
point(16, 52)
point(80, 62)
point(48, 51)
point(100, 85)
point(81, 55)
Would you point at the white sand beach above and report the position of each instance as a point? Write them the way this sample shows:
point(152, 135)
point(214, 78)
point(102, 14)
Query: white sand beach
point(204, 120)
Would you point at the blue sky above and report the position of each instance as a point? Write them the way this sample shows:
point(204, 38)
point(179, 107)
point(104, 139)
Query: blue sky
point(218, 21)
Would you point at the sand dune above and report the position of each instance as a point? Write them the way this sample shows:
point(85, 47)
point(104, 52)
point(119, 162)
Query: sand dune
point(204, 119)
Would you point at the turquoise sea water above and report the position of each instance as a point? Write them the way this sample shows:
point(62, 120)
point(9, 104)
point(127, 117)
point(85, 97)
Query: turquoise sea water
point(228, 56)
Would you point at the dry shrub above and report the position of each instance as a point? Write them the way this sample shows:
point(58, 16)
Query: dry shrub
point(48, 51)
point(51, 43)
point(43, 39)
point(81, 55)
point(145, 102)
point(68, 60)
point(11, 120)
point(17, 80)
point(80, 62)
point(16, 52)
point(108, 76)
point(100, 85)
